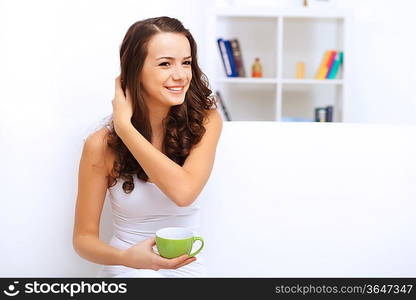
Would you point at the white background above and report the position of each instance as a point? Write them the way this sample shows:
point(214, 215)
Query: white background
point(58, 61)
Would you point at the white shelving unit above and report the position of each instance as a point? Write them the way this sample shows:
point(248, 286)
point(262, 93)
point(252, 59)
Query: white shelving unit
point(280, 37)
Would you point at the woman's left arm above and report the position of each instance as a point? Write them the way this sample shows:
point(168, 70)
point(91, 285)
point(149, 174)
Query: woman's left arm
point(181, 184)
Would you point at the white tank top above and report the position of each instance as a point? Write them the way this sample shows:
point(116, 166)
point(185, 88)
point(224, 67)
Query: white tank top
point(138, 215)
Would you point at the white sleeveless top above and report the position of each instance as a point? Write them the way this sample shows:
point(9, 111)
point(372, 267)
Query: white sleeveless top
point(138, 215)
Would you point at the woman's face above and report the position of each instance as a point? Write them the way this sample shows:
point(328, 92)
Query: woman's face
point(167, 72)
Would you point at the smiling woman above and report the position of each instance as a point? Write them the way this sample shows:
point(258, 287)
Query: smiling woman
point(154, 157)
point(167, 78)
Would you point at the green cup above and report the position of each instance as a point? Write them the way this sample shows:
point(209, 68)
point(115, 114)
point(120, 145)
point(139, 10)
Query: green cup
point(172, 242)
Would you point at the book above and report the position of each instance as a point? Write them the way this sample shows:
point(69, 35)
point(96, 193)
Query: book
point(331, 61)
point(336, 65)
point(231, 58)
point(224, 57)
point(238, 57)
point(223, 110)
point(323, 67)
point(329, 113)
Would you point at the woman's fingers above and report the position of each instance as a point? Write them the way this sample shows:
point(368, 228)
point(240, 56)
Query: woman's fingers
point(118, 89)
point(151, 241)
point(165, 263)
point(120, 92)
point(128, 96)
point(174, 263)
point(188, 261)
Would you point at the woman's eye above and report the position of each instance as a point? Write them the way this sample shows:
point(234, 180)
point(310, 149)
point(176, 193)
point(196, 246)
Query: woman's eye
point(165, 64)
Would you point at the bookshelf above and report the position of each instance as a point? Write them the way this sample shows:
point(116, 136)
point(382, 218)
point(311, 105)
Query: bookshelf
point(281, 38)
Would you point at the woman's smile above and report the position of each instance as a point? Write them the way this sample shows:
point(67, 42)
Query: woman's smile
point(176, 90)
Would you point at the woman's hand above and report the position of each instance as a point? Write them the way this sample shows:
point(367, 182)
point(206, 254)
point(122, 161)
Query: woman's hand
point(122, 108)
point(141, 256)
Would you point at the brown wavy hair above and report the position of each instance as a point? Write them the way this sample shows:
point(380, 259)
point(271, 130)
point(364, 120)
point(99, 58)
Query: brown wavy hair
point(184, 123)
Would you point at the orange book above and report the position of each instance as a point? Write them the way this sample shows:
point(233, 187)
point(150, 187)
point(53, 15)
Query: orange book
point(323, 68)
point(322, 73)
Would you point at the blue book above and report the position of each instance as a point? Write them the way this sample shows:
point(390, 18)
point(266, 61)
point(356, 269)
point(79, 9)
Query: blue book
point(224, 57)
point(234, 71)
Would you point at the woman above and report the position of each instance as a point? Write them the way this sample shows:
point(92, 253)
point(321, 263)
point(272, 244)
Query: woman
point(154, 157)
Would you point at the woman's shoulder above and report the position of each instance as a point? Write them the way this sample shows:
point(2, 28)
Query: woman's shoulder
point(96, 145)
point(97, 140)
point(214, 117)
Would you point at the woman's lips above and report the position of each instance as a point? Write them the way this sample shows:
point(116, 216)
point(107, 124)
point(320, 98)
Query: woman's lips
point(176, 89)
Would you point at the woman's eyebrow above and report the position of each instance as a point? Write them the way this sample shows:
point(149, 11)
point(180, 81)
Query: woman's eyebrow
point(171, 58)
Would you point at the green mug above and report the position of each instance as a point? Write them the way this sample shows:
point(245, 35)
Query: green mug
point(172, 242)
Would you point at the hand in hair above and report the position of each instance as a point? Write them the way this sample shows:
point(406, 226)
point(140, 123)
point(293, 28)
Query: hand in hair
point(122, 107)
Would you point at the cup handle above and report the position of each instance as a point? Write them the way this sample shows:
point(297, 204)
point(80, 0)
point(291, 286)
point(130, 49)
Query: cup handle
point(197, 238)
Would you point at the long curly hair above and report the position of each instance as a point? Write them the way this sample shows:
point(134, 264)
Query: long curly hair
point(184, 123)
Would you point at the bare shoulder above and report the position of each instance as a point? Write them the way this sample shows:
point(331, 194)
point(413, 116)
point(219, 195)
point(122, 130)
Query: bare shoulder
point(97, 150)
point(214, 119)
point(213, 127)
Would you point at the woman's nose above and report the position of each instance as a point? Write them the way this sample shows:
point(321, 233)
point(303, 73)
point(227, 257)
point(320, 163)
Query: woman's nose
point(178, 73)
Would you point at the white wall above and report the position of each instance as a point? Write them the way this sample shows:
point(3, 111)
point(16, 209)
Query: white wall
point(58, 61)
point(383, 61)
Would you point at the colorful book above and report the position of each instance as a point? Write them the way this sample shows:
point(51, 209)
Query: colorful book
point(336, 65)
point(323, 68)
point(234, 72)
point(238, 58)
point(331, 62)
point(224, 57)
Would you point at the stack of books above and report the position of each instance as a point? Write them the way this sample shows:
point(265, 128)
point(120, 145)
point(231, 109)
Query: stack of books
point(330, 64)
point(232, 58)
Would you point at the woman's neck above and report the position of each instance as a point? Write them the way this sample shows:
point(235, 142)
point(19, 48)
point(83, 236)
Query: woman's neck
point(156, 117)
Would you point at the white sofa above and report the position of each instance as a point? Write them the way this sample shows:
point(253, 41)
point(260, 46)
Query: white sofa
point(312, 200)
point(283, 200)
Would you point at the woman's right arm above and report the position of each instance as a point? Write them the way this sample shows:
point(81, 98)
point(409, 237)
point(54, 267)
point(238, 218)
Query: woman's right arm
point(92, 188)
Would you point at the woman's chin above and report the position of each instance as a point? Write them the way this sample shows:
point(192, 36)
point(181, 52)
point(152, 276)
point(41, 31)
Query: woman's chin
point(176, 100)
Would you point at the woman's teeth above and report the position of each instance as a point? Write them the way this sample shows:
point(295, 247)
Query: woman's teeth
point(176, 90)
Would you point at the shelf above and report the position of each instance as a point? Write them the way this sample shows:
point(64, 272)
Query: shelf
point(248, 80)
point(283, 37)
point(273, 12)
point(283, 81)
point(312, 81)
